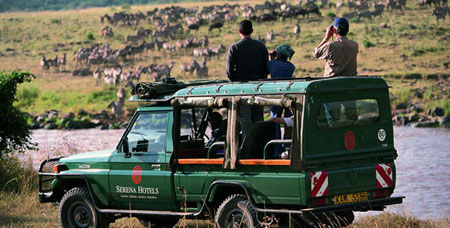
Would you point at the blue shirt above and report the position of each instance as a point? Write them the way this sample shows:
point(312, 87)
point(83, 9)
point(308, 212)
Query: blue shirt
point(280, 69)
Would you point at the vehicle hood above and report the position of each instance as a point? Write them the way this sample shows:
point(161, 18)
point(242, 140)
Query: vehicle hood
point(90, 157)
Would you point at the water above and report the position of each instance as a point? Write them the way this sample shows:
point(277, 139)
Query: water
point(423, 173)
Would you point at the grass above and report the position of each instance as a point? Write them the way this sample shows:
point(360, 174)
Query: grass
point(13, 207)
point(25, 37)
point(433, 94)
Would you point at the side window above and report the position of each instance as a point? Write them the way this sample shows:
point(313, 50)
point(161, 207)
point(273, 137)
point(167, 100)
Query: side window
point(348, 113)
point(191, 121)
point(148, 132)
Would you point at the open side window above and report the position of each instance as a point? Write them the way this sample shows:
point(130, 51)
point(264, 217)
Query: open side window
point(201, 132)
point(263, 145)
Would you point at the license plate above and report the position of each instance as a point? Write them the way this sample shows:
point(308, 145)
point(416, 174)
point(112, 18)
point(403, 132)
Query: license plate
point(350, 198)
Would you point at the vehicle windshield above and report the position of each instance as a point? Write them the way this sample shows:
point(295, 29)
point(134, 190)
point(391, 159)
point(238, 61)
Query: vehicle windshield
point(148, 132)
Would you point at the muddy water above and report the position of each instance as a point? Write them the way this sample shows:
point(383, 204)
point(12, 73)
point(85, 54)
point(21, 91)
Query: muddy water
point(423, 173)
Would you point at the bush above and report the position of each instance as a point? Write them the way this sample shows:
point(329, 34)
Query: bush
point(90, 36)
point(126, 7)
point(368, 44)
point(330, 15)
point(15, 177)
point(55, 21)
point(26, 97)
point(15, 132)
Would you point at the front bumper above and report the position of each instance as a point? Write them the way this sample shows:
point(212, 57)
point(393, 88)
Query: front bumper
point(46, 176)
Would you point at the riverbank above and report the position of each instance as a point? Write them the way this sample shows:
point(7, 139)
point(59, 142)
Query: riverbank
point(416, 100)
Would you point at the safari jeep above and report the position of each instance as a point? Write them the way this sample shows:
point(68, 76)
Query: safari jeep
point(338, 157)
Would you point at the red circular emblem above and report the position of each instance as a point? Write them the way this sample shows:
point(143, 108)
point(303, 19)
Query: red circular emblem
point(349, 140)
point(136, 176)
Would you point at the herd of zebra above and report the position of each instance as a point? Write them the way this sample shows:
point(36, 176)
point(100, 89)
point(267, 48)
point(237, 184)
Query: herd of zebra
point(173, 25)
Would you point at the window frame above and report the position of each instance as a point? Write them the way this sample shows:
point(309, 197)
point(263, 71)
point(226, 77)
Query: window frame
point(130, 126)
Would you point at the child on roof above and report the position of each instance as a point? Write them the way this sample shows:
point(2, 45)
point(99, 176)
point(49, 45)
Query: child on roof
point(279, 67)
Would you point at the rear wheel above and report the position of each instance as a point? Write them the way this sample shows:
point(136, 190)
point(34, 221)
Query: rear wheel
point(235, 211)
point(77, 210)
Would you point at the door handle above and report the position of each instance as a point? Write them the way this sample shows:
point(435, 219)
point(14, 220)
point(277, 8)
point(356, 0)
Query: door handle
point(157, 166)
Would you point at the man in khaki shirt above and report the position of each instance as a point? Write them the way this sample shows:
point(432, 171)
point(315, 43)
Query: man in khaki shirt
point(340, 55)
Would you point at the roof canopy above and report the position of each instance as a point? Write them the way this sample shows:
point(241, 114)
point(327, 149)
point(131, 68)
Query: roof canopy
point(269, 87)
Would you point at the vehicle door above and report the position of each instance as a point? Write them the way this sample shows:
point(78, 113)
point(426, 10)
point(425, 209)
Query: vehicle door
point(138, 180)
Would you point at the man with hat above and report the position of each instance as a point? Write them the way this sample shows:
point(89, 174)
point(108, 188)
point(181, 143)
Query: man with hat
point(340, 55)
point(246, 61)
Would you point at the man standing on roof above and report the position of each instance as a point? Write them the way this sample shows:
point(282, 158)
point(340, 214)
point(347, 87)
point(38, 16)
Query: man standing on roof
point(246, 61)
point(340, 55)
point(247, 58)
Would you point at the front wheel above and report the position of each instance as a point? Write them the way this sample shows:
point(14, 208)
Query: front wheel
point(77, 210)
point(235, 211)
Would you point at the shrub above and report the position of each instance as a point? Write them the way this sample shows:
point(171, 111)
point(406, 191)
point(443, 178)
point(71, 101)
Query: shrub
point(126, 7)
point(26, 97)
point(15, 132)
point(55, 21)
point(368, 44)
point(90, 36)
point(15, 177)
point(330, 15)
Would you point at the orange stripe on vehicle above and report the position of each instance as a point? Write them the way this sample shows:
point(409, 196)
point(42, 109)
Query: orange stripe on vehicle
point(200, 161)
point(264, 162)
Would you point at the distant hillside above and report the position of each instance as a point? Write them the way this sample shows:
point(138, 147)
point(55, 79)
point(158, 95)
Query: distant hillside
point(49, 5)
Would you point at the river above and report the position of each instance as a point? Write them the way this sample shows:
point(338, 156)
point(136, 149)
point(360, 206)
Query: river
point(423, 174)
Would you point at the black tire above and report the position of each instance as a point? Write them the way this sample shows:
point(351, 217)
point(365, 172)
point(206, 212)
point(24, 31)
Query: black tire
point(77, 211)
point(159, 222)
point(235, 211)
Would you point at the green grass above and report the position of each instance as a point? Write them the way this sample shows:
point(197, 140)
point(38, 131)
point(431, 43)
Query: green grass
point(26, 37)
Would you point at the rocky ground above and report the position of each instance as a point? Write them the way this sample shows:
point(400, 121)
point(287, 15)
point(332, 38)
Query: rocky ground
point(53, 119)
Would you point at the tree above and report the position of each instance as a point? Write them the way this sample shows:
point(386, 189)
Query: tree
point(14, 130)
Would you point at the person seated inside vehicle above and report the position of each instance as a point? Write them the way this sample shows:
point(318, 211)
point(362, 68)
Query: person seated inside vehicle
point(289, 123)
point(258, 136)
point(218, 128)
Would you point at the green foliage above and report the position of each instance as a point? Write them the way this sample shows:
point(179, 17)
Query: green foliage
point(26, 97)
point(15, 177)
point(423, 50)
point(330, 15)
point(126, 7)
point(55, 21)
point(90, 36)
point(368, 44)
point(105, 95)
point(14, 133)
point(39, 5)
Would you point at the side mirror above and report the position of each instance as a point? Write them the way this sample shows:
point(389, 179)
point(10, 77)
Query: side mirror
point(125, 148)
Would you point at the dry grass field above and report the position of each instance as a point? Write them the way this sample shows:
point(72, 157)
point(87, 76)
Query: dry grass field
point(412, 42)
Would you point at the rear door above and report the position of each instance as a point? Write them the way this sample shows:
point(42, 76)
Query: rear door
point(348, 146)
point(140, 181)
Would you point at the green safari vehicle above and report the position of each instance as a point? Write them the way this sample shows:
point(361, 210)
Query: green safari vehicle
point(335, 158)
